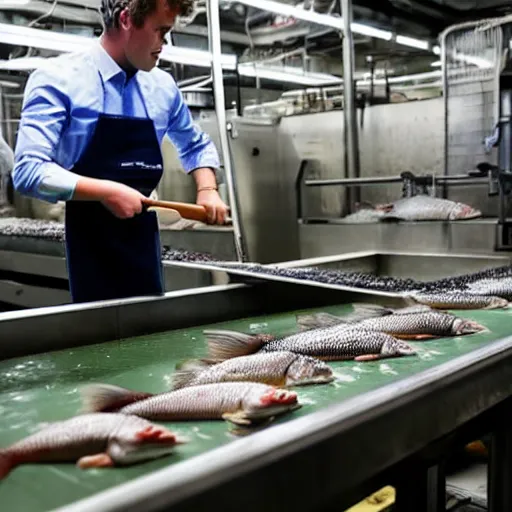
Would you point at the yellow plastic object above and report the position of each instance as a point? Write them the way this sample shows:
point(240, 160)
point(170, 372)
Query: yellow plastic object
point(377, 502)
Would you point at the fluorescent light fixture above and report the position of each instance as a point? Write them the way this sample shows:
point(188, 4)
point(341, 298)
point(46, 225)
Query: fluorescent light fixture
point(405, 78)
point(366, 30)
point(299, 14)
point(411, 41)
point(436, 50)
point(287, 74)
point(64, 43)
point(436, 64)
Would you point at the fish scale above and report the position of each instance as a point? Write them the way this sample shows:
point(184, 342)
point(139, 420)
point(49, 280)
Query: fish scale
point(497, 287)
point(461, 300)
point(339, 343)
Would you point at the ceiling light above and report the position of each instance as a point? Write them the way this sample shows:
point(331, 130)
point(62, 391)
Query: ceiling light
point(366, 30)
point(411, 41)
point(436, 50)
point(436, 64)
point(287, 74)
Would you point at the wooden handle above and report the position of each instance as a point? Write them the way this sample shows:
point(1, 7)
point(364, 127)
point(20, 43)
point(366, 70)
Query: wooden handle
point(186, 210)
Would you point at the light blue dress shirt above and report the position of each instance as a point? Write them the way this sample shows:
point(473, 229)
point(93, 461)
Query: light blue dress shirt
point(61, 105)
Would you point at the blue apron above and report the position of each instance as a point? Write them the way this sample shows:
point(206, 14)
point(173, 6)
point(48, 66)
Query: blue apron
point(107, 257)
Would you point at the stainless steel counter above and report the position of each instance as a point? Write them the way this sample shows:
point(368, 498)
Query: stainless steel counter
point(323, 450)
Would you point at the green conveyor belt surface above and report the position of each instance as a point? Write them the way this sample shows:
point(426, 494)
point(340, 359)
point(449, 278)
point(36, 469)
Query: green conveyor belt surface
point(44, 388)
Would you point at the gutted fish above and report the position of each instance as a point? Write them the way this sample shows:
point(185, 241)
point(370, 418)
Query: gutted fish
point(501, 287)
point(91, 440)
point(242, 403)
point(417, 326)
point(336, 343)
point(424, 207)
point(458, 300)
point(275, 368)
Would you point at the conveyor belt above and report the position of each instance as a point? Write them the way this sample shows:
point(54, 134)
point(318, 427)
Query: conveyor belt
point(42, 388)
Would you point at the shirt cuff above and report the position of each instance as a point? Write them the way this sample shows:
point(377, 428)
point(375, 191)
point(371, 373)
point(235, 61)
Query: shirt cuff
point(57, 182)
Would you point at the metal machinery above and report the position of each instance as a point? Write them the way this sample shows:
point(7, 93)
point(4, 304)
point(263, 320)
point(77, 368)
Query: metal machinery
point(391, 422)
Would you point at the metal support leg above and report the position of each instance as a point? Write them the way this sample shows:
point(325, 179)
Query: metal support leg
point(499, 474)
point(423, 491)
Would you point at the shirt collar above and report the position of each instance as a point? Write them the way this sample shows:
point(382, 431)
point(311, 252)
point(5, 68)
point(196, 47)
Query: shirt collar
point(107, 66)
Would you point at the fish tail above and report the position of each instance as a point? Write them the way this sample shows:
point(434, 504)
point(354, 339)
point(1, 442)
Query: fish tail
point(186, 372)
point(6, 464)
point(224, 345)
point(107, 398)
point(318, 321)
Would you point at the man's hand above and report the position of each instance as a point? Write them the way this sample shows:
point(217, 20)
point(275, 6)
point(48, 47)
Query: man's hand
point(123, 201)
point(216, 209)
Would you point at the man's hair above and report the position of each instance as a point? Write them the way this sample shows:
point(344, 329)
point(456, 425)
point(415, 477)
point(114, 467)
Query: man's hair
point(140, 9)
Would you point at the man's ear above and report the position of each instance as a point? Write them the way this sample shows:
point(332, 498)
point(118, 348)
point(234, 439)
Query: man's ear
point(125, 20)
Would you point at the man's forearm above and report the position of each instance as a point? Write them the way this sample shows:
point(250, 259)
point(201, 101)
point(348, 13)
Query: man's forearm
point(205, 179)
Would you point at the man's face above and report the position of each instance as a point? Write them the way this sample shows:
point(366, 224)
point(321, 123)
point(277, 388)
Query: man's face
point(143, 45)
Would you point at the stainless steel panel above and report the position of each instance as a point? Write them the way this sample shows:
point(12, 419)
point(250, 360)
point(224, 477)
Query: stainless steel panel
point(476, 236)
point(29, 296)
point(406, 264)
point(60, 327)
point(265, 173)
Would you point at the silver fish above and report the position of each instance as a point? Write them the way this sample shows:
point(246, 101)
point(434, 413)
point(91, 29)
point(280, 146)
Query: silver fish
point(457, 300)
point(276, 369)
point(241, 403)
point(415, 326)
point(336, 343)
point(424, 207)
point(93, 440)
point(500, 287)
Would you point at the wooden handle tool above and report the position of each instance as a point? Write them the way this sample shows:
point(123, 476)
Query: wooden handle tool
point(186, 210)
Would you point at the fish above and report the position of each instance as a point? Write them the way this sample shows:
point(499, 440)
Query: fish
point(275, 368)
point(92, 440)
point(415, 326)
point(360, 313)
point(425, 207)
point(241, 403)
point(365, 214)
point(457, 300)
point(336, 343)
point(501, 287)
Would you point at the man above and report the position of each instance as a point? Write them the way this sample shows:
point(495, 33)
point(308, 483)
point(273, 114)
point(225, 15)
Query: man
point(90, 134)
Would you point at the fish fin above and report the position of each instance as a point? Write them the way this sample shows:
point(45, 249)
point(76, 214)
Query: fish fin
point(99, 460)
point(154, 433)
point(368, 357)
point(318, 321)
point(362, 311)
point(187, 372)
point(224, 345)
point(6, 464)
point(418, 337)
point(106, 397)
point(238, 418)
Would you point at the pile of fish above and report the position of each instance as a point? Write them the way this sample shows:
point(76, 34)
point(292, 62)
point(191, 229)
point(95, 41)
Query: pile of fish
point(32, 228)
point(491, 288)
point(170, 254)
point(417, 208)
point(245, 380)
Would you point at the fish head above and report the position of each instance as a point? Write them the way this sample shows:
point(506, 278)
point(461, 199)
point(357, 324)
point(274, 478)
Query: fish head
point(308, 370)
point(463, 211)
point(394, 347)
point(463, 326)
point(260, 404)
point(133, 444)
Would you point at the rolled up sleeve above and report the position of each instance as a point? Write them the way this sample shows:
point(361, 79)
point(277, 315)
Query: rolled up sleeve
point(195, 148)
point(44, 116)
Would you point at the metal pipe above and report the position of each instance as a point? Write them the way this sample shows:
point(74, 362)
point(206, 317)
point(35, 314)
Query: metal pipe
point(349, 111)
point(456, 178)
point(220, 109)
